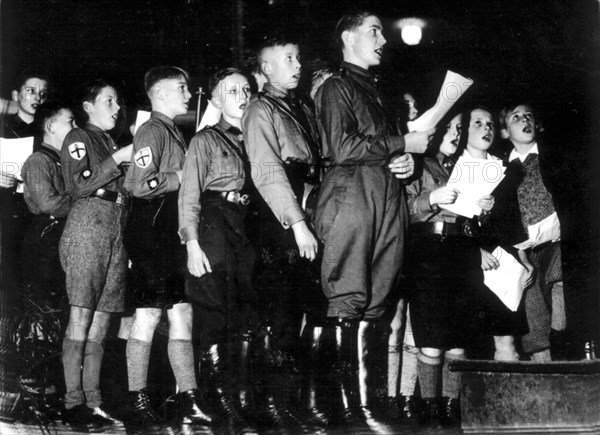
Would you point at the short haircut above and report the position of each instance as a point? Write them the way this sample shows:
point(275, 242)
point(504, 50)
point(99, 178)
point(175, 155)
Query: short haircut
point(512, 106)
point(89, 91)
point(156, 74)
point(29, 74)
point(270, 42)
point(350, 22)
point(215, 79)
point(46, 111)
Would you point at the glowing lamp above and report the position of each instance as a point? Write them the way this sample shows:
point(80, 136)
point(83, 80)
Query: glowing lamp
point(411, 34)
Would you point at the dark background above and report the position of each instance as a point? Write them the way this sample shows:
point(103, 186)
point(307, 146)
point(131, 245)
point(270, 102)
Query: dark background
point(545, 52)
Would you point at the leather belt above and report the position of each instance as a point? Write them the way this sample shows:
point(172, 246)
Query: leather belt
point(233, 196)
point(109, 195)
point(445, 229)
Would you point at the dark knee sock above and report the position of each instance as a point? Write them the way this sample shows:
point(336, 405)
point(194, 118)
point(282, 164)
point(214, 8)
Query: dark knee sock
point(92, 363)
point(451, 380)
point(181, 357)
point(138, 359)
point(72, 357)
point(429, 370)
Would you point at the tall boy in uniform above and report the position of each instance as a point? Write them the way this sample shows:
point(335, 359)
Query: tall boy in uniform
point(361, 212)
point(155, 250)
point(282, 141)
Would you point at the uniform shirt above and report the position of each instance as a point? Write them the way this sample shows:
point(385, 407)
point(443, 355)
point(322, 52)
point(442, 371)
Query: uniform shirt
point(44, 188)
point(355, 129)
point(87, 162)
point(434, 176)
point(210, 164)
point(158, 151)
point(271, 137)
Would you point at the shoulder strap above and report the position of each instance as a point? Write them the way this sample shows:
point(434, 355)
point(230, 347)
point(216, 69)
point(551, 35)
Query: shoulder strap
point(235, 147)
point(287, 111)
point(54, 156)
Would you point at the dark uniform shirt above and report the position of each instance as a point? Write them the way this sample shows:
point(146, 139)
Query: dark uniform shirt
point(158, 152)
point(44, 187)
point(359, 130)
point(87, 162)
point(211, 164)
point(273, 137)
point(434, 176)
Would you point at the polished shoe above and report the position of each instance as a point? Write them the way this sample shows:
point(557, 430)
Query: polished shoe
point(189, 409)
point(451, 412)
point(408, 409)
point(100, 412)
point(82, 419)
point(143, 417)
point(431, 414)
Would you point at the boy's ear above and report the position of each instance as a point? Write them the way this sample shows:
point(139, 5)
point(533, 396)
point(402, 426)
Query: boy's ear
point(504, 133)
point(88, 107)
point(15, 95)
point(49, 126)
point(216, 100)
point(265, 67)
point(348, 38)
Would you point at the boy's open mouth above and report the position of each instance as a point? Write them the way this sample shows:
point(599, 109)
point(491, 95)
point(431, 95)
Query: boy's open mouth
point(487, 138)
point(527, 129)
point(379, 51)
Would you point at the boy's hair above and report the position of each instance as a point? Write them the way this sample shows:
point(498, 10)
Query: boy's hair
point(350, 22)
point(270, 42)
point(215, 79)
point(89, 91)
point(466, 120)
point(156, 74)
point(510, 107)
point(46, 111)
point(29, 74)
point(440, 132)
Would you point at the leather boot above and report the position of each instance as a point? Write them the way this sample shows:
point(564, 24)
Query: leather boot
point(274, 390)
point(189, 409)
point(225, 404)
point(143, 417)
point(367, 346)
point(245, 393)
point(310, 411)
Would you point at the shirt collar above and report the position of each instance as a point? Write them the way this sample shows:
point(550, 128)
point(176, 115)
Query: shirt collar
point(50, 148)
point(164, 118)
point(515, 155)
point(468, 155)
point(360, 73)
point(272, 91)
point(225, 126)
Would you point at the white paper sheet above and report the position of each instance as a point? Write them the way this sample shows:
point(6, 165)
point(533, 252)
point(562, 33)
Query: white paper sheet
point(453, 88)
point(546, 230)
point(142, 116)
point(505, 281)
point(13, 153)
point(211, 116)
point(473, 178)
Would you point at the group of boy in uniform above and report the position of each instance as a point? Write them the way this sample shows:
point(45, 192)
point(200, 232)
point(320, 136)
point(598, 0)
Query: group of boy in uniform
point(275, 250)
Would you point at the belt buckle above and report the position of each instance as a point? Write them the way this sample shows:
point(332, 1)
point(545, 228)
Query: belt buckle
point(244, 199)
point(120, 199)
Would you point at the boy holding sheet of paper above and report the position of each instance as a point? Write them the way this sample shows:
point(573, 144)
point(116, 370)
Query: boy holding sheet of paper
point(530, 222)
